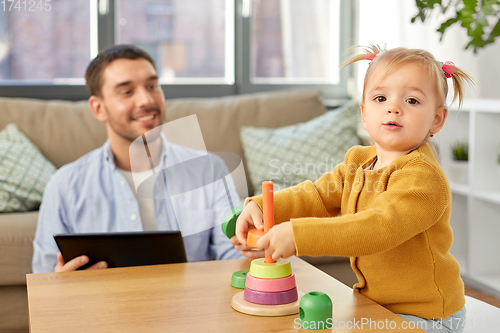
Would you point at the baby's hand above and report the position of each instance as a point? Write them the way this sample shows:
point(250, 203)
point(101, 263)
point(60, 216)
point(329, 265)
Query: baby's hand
point(246, 251)
point(279, 241)
point(250, 218)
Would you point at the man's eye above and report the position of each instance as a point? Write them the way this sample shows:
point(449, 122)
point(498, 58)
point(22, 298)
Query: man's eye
point(153, 86)
point(126, 92)
point(412, 101)
point(380, 99)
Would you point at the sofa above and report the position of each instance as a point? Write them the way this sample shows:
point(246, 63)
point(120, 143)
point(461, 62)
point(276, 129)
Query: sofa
point(64, 131)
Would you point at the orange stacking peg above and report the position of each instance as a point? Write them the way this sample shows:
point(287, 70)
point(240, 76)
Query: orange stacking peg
point(268, 210)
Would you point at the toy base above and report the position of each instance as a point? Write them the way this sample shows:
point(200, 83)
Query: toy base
point(240, 304)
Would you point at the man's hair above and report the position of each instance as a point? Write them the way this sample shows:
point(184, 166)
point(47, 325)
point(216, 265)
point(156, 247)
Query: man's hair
point(93, 75)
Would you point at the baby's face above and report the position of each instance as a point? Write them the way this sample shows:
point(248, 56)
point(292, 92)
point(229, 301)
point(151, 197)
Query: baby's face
point(401, 109)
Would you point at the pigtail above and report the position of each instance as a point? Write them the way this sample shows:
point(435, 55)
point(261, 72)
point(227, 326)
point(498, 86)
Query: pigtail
point(459, 78)
point(367, 53)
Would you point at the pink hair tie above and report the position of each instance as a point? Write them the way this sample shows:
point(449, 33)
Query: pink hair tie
point(448, 68)
point(370, 56)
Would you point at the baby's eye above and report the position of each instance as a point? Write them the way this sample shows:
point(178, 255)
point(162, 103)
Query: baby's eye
point(380, 99)
point(412, 101)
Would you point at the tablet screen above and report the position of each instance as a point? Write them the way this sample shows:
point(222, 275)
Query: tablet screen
point(123, 249)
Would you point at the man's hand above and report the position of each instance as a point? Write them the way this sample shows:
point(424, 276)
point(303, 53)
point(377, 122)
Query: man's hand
point(246, 251)
point(279, 241)
point(76, 263)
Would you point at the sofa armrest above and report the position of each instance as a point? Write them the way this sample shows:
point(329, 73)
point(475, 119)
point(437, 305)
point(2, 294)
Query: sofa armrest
point(17, 231)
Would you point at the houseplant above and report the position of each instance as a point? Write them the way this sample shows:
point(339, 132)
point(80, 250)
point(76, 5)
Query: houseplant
point(459, 165)
point(481, 18)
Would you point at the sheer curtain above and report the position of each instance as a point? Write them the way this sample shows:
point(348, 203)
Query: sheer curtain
point(388, 22)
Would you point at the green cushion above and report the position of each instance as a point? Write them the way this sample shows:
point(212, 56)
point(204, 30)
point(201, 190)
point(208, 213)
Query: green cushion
point(24, 172)
point(305, 151)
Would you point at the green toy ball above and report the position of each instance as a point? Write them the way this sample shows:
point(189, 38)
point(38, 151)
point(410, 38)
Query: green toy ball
point(316, 311)
point(229, 221)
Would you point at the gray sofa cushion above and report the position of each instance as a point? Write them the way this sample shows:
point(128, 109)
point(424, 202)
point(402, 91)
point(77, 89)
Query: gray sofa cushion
point(24, 172)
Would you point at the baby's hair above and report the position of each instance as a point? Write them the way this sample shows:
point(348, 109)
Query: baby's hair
point(393, 58)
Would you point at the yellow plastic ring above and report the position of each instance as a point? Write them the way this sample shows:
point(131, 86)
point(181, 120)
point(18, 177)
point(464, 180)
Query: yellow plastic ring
point(260, 269)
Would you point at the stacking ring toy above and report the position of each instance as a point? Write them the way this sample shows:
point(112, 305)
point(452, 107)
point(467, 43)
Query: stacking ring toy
point(253, 236)
point(282, 297)
point(315, 307)
point(238, 279)
point(260, 269)
point(229, 221)
point(270, 285)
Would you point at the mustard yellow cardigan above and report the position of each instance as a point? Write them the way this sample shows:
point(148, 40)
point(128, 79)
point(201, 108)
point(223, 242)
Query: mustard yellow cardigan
point(393, 223)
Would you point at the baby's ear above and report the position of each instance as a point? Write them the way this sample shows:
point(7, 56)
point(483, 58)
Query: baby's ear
point(363, 117)
point(439, 119)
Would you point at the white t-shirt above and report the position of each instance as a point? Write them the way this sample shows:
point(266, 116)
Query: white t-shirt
point(146, 205)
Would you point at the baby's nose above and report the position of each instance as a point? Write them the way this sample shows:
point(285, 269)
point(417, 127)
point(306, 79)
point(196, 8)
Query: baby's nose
point(393, 109)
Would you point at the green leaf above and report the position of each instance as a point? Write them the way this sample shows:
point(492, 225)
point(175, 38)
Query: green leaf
point(420, 15)
point(494, 33)
point(467, 12)
point(488, 10)
point(490, 2)
point(471, 4)
point(481, 21)
point(423, 7)
point(466, 21)
point(446, 25)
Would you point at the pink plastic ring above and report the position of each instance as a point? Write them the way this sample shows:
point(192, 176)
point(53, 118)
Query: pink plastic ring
point(259, 297)
point(270, 285)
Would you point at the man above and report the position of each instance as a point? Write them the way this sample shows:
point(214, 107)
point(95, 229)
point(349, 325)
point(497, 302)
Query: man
point(96, 193)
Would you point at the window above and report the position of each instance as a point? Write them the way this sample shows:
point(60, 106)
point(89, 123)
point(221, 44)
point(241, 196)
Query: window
point(295, 41)
point(44, 40)
point(203, 48)
point(187, 39)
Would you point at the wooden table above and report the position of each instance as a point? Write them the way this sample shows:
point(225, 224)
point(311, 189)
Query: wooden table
point(192, 297)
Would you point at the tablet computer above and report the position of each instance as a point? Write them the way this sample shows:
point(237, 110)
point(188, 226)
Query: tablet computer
point(122, 249)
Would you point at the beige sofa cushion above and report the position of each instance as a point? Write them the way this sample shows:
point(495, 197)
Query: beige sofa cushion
point(17, 231)
point(220, 118)
point(62, 130)
point(65, 131)
point(14, 309)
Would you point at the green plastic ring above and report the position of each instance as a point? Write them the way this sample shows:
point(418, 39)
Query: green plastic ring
point(238, 279)
point(229, 221)
point(260, 269)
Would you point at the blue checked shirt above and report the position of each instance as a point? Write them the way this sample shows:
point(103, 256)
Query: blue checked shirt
point(91, 195)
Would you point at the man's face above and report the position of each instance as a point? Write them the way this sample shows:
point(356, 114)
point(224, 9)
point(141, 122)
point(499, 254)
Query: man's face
point(132, 98)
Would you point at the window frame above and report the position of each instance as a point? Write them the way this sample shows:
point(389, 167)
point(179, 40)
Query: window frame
point(242, 64)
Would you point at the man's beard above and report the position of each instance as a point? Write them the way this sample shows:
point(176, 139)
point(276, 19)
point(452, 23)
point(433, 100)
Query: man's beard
point(127, 132)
